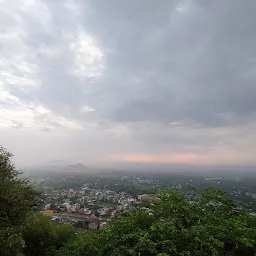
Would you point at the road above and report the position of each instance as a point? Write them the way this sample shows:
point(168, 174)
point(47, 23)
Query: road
point(77, 217)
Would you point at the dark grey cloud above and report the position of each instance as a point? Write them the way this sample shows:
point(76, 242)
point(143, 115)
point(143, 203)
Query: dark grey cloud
point(189, 61)
point(192, 65)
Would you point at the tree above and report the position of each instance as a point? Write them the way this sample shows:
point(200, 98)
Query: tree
point(17, 199)
point(22, 230)
point(52, 206)
point(44, 237)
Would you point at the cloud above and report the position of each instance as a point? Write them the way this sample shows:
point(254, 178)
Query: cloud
point(137, 80)
point(191, 69)
point(88, 57)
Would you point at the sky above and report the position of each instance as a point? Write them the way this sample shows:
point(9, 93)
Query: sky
point(138, 81)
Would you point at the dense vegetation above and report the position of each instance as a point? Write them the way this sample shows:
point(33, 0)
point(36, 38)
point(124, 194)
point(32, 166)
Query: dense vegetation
point(23, 231)
point(167, 225)
point(17, 198)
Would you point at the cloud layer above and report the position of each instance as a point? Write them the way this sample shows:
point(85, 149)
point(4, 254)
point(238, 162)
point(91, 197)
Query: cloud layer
point(130, 81)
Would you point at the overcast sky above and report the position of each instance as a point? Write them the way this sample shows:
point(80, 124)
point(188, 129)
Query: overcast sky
point(148, 81)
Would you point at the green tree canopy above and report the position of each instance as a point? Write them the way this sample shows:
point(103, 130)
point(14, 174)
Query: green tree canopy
point(17, 199)
point(44, 237)
point(22, 231)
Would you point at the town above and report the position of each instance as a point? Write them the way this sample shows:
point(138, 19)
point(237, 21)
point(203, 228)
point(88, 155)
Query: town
point(91, 201)
point(89, 208)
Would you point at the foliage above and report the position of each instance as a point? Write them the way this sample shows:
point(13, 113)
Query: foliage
point(171, 225)
point(43, 237)
point(23, 232)
point(87, 244)
point(17, 199)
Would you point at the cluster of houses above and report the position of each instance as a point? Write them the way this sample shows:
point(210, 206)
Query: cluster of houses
point(89, 205)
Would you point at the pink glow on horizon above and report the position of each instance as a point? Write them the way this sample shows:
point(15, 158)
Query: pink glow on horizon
point(166, 158)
